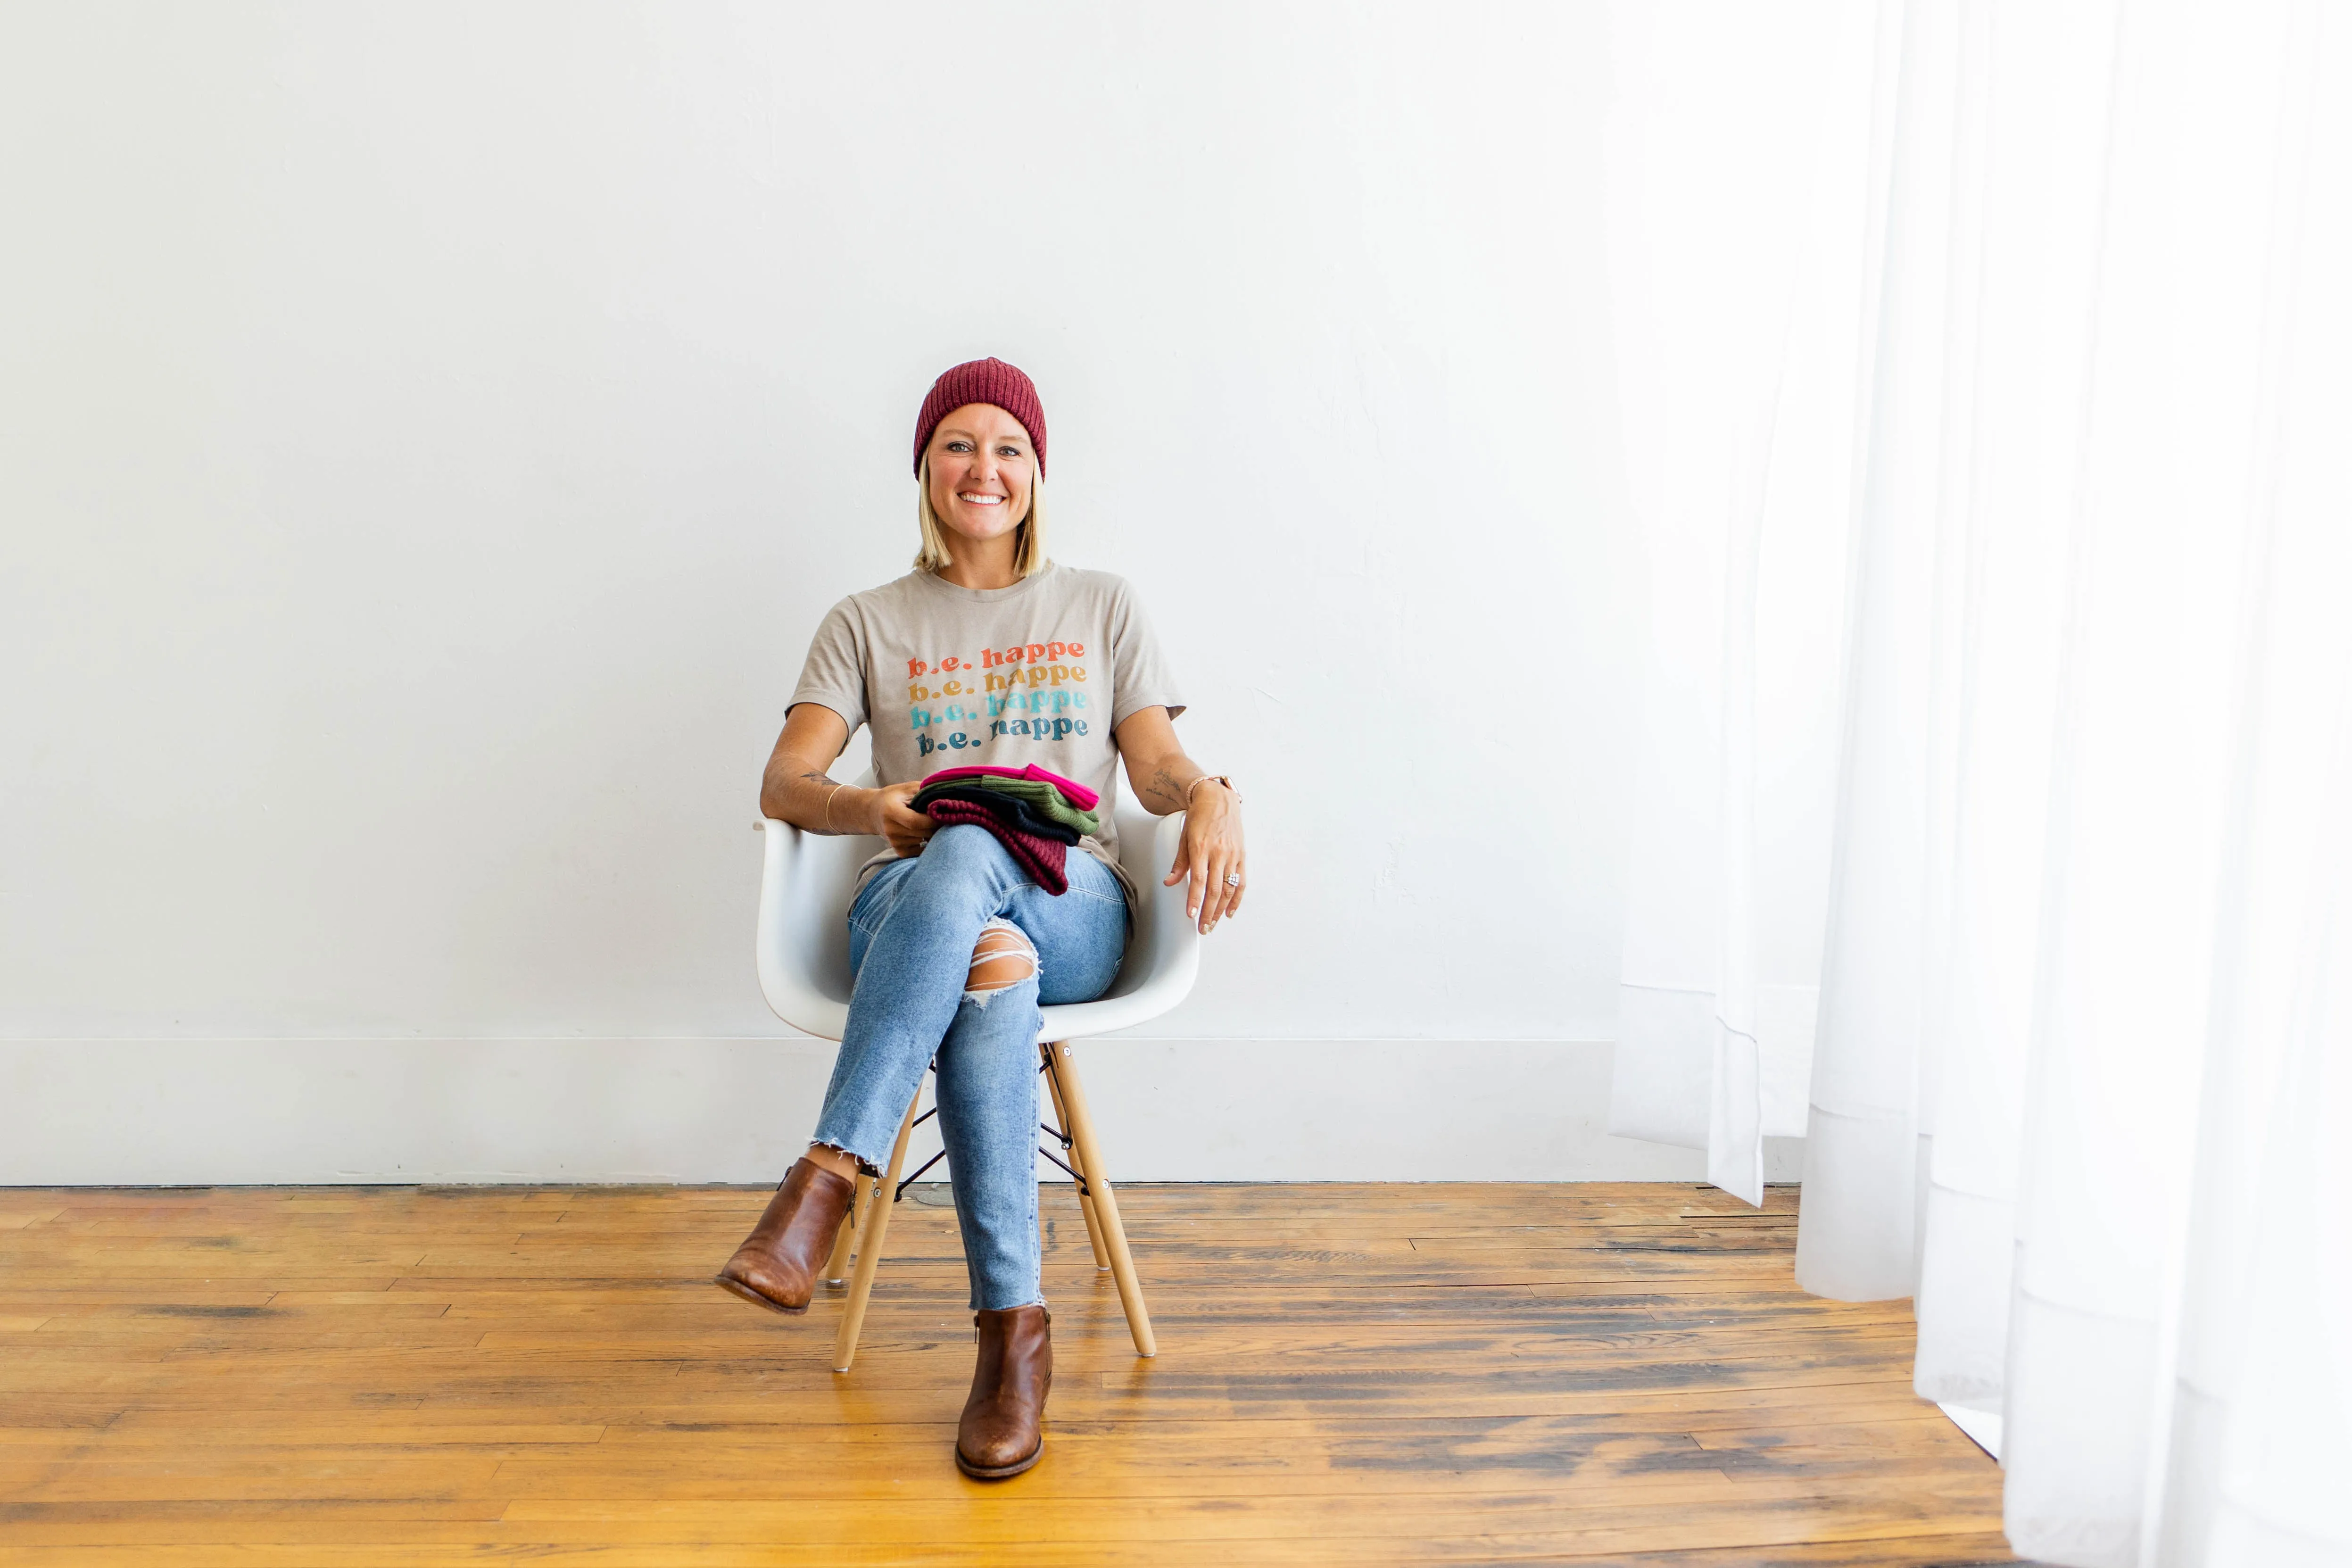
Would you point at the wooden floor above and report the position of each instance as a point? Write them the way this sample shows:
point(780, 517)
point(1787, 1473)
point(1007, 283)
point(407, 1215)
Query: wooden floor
point(1404, 1374)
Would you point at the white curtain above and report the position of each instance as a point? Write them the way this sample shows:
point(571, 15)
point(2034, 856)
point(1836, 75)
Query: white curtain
point(2082, 1075)
point(1738, 127)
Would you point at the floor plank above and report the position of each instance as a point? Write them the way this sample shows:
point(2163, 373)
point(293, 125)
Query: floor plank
point(1597, 1373)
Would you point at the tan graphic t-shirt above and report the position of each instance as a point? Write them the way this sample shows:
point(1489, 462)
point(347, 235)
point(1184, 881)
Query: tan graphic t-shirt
point(1041, 672)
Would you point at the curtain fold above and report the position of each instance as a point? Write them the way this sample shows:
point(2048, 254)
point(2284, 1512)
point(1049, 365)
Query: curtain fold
point(1742, 347)
point(2078, 1074)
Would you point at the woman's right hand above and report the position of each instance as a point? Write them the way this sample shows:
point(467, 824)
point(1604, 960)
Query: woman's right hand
point(889, 816)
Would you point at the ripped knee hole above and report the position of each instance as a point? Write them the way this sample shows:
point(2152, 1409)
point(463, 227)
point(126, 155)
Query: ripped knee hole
point(1001, 958)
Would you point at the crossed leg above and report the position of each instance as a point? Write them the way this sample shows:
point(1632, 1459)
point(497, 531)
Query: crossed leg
point(1002, 958)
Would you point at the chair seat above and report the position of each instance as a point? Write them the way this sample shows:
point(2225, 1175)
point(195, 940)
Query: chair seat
point(828, 1018)
point(804, 932)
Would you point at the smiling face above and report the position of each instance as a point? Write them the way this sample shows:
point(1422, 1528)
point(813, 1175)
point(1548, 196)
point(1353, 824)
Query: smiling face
point(982, 470)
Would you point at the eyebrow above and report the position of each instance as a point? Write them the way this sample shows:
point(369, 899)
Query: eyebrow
point(959, 430)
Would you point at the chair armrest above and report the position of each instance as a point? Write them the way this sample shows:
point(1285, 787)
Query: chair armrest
point(803, 941)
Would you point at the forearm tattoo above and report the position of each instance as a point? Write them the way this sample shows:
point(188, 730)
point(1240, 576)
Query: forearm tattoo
point(1167, 788)
point(823, 782)
point(785, 786)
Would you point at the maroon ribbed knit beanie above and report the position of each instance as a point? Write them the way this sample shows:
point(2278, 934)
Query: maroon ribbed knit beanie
point(990, 381)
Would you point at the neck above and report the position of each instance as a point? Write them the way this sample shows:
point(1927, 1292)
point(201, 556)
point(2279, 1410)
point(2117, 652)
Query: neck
point(983, 562)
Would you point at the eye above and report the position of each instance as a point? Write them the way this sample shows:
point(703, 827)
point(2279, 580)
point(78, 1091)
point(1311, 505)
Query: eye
point(958, 445)
point(1008, 451)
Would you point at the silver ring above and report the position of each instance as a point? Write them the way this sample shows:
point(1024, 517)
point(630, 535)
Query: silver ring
point(1232, 878)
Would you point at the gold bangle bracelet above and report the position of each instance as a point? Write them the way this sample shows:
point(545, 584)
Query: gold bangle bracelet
point(828, 807)
point(1210, 778)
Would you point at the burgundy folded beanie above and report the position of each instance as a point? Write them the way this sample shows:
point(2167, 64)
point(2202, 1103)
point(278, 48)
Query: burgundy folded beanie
point(990, 381)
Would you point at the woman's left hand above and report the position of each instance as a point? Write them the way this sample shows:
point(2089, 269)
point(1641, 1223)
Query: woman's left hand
point(1211, 855)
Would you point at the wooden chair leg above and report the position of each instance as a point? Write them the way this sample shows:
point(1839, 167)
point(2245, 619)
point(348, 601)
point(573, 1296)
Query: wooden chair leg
point(1086, 1198)
point(838, 1264)
point(1122, 1266)
point(869, 1247)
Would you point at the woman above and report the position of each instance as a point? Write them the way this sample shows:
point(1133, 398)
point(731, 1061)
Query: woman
point(987, 653)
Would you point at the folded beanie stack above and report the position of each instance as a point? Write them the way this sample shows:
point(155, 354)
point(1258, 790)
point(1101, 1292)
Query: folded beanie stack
point(1078, 794)
point(1010, 808)
point(1036, 814)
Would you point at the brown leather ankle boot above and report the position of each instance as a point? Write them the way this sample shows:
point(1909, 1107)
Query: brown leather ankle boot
point(1003, 1431)
point(778, 1263)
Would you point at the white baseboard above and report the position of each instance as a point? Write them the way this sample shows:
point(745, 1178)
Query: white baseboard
point(204, 1111)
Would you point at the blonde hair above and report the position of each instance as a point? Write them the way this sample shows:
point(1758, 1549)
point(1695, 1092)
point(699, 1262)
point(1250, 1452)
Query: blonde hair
point(1028, 535)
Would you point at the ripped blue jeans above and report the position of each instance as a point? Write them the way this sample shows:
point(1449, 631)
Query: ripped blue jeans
point(911, 931)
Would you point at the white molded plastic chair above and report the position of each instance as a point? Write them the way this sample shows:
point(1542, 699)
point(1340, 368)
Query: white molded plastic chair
point(803, 951)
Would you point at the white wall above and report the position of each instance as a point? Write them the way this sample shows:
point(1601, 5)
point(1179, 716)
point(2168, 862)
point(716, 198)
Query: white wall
point(428, 435)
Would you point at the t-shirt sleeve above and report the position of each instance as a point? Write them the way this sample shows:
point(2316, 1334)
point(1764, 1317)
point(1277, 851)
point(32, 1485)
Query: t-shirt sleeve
point(1139, 672)
point(834, 673)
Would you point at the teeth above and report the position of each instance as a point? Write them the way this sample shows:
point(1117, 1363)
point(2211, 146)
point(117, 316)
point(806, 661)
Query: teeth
point(979, 500)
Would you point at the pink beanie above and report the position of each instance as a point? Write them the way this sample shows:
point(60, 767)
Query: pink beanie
point(990, 381)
